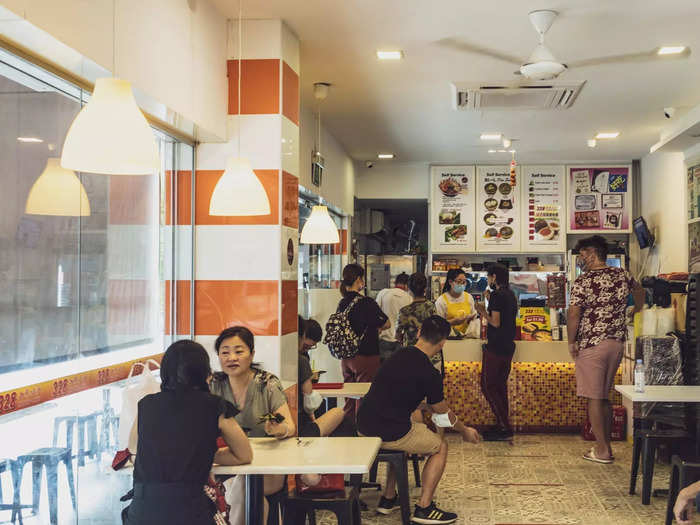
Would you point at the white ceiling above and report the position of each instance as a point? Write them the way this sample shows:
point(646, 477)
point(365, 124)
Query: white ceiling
point(405, 107)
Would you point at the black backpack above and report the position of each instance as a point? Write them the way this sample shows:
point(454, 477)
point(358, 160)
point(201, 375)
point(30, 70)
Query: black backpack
point(341, 339)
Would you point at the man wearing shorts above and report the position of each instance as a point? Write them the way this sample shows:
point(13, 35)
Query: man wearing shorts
point(597, 330)
point(388, 411)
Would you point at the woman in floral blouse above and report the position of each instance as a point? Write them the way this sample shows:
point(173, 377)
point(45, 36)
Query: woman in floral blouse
point(412, 316)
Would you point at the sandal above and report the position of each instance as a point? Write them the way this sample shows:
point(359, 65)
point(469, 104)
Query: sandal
point(590, 456)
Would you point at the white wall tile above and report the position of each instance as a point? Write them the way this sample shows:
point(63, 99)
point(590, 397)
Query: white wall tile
point(290, 148)
point(237, 252)
point(183, 262)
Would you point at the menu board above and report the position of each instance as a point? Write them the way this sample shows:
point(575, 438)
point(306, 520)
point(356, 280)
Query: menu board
point(452, 193)
point(497, 210)
point(543, 209)
point(600, 199)
point(694, 192)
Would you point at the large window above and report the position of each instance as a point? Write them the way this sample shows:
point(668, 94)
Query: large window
point(79, 292)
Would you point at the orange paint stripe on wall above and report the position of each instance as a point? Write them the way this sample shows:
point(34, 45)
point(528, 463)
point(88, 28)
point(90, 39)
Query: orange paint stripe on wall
point(31, 395)
point(183, 307)
point(184, 197)
point(206, 181)
point(220, 304)
point(131, 198)
point(290, 93)
point(260, 86)
point(290, 307)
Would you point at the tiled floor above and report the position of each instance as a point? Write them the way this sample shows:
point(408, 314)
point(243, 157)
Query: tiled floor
point(536, 479)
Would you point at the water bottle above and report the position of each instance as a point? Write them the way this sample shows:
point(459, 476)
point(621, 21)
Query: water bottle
point(639, 370)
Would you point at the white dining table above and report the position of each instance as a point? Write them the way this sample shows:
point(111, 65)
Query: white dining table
point(323, 455)
point(661, 394)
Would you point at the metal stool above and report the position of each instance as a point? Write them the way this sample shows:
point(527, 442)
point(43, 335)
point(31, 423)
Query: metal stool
point(87, 434)
point(48, 458)
point(344, 504)
point(9, 465)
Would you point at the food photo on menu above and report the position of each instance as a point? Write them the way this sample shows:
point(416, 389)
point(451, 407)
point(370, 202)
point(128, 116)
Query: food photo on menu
point(454, 193)
point(496, 220)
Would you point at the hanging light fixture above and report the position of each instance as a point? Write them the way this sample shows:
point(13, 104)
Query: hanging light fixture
point(58, 192)
point(239, 192)
point(319, 227)
point(110, 135)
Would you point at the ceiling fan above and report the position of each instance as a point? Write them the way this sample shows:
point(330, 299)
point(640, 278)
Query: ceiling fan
point(542, 64)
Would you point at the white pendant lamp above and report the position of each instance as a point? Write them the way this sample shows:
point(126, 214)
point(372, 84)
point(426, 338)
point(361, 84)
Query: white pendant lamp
point(59, 192)
point(110, 135)
point(319, 228)
point(239, 192)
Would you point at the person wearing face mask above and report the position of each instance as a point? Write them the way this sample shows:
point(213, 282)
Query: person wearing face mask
point(366, 320)
point(597, 331)
point(332, 422)
point(499, 348)
point(456, 306)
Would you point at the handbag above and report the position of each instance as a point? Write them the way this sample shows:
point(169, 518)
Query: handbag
point(328, 483)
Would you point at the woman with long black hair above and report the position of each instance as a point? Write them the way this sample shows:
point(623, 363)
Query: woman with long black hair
point(456, 305)
point(366, 320)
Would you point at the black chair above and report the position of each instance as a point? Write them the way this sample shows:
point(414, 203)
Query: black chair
point(683, 473)
point(48, 458)
point(277, 502)
point(399, 461)
point(344, 504)
point(644, 448)
point(415, 460)
point(9, 465)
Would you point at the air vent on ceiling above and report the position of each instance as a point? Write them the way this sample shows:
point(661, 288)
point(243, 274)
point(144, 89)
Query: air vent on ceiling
point(536, 95)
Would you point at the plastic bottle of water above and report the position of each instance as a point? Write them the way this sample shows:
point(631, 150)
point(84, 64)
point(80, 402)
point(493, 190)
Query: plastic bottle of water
point(639, 370)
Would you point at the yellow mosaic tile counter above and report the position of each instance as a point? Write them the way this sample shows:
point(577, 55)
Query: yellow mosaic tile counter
point(542, 394)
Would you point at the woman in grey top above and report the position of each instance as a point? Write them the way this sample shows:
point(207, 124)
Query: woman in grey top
point(253, 391)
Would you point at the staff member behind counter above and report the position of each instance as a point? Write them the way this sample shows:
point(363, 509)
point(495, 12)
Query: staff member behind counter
point(455, 304)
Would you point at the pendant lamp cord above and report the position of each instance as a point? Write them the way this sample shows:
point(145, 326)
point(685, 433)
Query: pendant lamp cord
point(114, 38)
point(240, 59)
point(318, 151)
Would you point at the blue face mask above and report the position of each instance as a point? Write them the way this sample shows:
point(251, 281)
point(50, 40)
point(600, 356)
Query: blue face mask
point(458, 288)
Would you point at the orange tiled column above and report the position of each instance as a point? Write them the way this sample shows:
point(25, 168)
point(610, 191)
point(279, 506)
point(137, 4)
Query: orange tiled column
point(246, 267)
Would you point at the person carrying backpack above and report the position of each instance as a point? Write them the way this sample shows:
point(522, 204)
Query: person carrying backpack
point(352, 333)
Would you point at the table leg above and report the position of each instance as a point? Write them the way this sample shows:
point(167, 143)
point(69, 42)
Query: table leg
point(255, 493)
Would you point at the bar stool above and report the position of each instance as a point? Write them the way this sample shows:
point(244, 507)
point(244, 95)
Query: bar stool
point(48, 458)
point(683, 473)
point(9, 465)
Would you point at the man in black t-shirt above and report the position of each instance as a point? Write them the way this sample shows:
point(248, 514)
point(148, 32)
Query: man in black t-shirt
point(499, 349)
point(406, 382)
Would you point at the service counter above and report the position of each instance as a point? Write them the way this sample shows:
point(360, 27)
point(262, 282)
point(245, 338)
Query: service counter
point(541, 387)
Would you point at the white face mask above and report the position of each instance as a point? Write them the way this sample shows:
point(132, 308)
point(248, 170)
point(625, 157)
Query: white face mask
point(312, 401)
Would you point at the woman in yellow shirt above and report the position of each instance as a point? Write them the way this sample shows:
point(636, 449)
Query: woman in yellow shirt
point(455, 304)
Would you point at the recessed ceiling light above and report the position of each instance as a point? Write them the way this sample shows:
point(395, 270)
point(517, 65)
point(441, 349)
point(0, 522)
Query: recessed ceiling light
point(390, 55)
point(502, 151)
point(511, 151)
point(506, 143)
point(491, 136)
point(607, 135)
point(492, 151)
point(671, 50)
point(591, 143)
point(385, 156)
point(29, 139)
